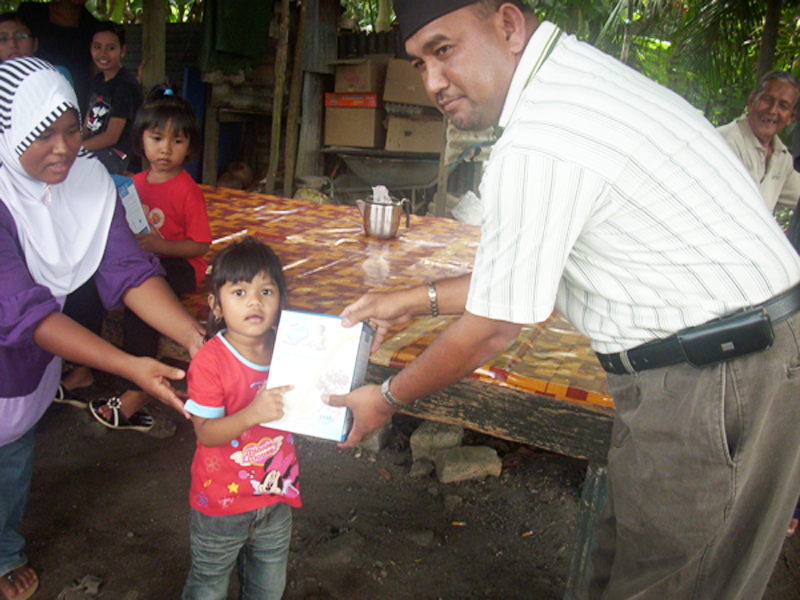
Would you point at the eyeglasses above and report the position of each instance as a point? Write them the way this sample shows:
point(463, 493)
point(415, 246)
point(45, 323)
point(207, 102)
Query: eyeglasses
point(4, 39)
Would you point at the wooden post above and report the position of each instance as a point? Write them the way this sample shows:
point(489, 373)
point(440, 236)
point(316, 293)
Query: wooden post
point(592, 500)
point(309, 157)
point(210, 139)
point(154, 42)
point(277, 100)
point(295, 99)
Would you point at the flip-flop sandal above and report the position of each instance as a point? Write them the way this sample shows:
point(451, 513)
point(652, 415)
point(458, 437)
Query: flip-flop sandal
point(30, 591)
point(139, 421)
point(81, 589)
point(65, 396)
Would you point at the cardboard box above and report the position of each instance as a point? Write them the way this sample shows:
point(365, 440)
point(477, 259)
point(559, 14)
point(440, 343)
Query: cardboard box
point(318, 356)
point(359, 127)
point(134, 211)
point(360, 75)
point(422, 134)
point(404, 84)
point(352, 100)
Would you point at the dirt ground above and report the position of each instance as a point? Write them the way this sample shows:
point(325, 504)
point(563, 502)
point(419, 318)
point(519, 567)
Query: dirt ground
point(115, 505)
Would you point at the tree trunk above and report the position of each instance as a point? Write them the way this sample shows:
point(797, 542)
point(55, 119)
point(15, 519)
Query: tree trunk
point(769, 40)
point(626, 39)
point(281, 58)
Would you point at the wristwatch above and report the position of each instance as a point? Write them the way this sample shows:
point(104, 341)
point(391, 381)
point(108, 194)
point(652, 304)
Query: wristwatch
point(389, 397)
point(434, 298)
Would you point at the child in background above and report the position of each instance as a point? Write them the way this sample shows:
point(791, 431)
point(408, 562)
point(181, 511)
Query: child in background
point(114, 98)
point(167, 133)
point(244, 475)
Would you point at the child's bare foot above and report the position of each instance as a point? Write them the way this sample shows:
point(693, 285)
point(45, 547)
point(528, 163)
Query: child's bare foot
point(79, 377)
point(19, 584)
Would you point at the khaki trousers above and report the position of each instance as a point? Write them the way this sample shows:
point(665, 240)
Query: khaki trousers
point(703, 477)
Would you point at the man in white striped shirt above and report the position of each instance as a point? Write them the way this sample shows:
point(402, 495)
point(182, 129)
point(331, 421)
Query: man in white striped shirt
point(613, 200)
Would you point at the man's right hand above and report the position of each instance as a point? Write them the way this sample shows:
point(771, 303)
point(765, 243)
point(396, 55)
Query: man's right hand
point(382, 311)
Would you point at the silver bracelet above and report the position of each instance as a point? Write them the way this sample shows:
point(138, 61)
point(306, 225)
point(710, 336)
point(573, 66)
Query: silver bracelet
point(434, 298)
point(389, 397)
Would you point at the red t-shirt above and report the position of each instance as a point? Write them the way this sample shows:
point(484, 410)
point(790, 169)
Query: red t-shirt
point(177, 210)
point(258, 468)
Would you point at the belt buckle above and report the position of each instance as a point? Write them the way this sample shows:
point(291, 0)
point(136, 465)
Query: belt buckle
point(625, 361)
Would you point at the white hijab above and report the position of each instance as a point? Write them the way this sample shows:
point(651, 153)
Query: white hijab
point(63, 228)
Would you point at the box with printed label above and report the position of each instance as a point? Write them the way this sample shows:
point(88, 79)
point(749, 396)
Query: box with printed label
point(418, 134)
point(352, 100)
point(404, 84)
point(360, 75)
point(134, 211)
point(359, 127)
point(319, 357)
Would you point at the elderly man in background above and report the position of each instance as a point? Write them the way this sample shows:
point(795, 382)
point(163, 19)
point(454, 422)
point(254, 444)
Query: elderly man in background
point(754, 138)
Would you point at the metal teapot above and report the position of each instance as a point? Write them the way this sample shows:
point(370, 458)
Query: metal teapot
point(382, 220)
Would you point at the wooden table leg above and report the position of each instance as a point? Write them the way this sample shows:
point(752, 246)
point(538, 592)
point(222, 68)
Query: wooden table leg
point(592, 500)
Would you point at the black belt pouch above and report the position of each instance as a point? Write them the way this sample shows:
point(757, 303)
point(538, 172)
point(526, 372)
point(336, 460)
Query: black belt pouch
point(727, 337)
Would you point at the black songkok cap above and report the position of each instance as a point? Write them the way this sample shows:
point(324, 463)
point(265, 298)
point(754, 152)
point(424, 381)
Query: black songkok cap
point(413, 15)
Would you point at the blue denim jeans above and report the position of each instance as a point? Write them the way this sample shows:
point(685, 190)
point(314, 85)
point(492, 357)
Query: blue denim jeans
point(256, 542)
point(16, 470)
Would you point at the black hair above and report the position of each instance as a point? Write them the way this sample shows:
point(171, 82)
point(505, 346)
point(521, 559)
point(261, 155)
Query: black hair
point(161, 108)
point(487, 8)
point(242, 261)
point(114, 28)
point(14, 16)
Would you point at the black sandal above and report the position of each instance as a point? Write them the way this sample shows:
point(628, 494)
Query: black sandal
point(139, 421)
point(65, 396)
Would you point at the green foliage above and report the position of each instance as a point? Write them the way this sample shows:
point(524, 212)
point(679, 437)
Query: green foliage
point(129, 11)
point(705, 50)
point(362, 12)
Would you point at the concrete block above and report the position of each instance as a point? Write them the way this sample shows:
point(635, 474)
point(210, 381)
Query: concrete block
point(431, 437)
point(379, 439)
point(467, 463)
point(421, 468)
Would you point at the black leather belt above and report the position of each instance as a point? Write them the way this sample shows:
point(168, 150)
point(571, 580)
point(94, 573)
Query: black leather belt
point(670, 351)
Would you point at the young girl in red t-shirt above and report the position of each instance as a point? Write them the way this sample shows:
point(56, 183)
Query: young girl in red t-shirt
point(166, 132)
point(245, 476)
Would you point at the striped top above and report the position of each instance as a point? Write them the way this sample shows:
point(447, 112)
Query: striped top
point(614, 200)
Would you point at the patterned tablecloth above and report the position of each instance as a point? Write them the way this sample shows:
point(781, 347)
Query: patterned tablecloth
point(329, 262)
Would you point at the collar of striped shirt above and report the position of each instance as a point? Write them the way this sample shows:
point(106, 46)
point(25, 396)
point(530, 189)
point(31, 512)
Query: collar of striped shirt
point(536, 52)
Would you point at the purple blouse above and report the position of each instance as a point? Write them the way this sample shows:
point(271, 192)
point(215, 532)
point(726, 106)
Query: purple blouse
point(24, 303)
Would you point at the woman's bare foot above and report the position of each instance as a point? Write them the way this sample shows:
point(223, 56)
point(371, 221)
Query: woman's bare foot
point(155, 424)
point(19, 583)
point(79, 377)
point(793, 527)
